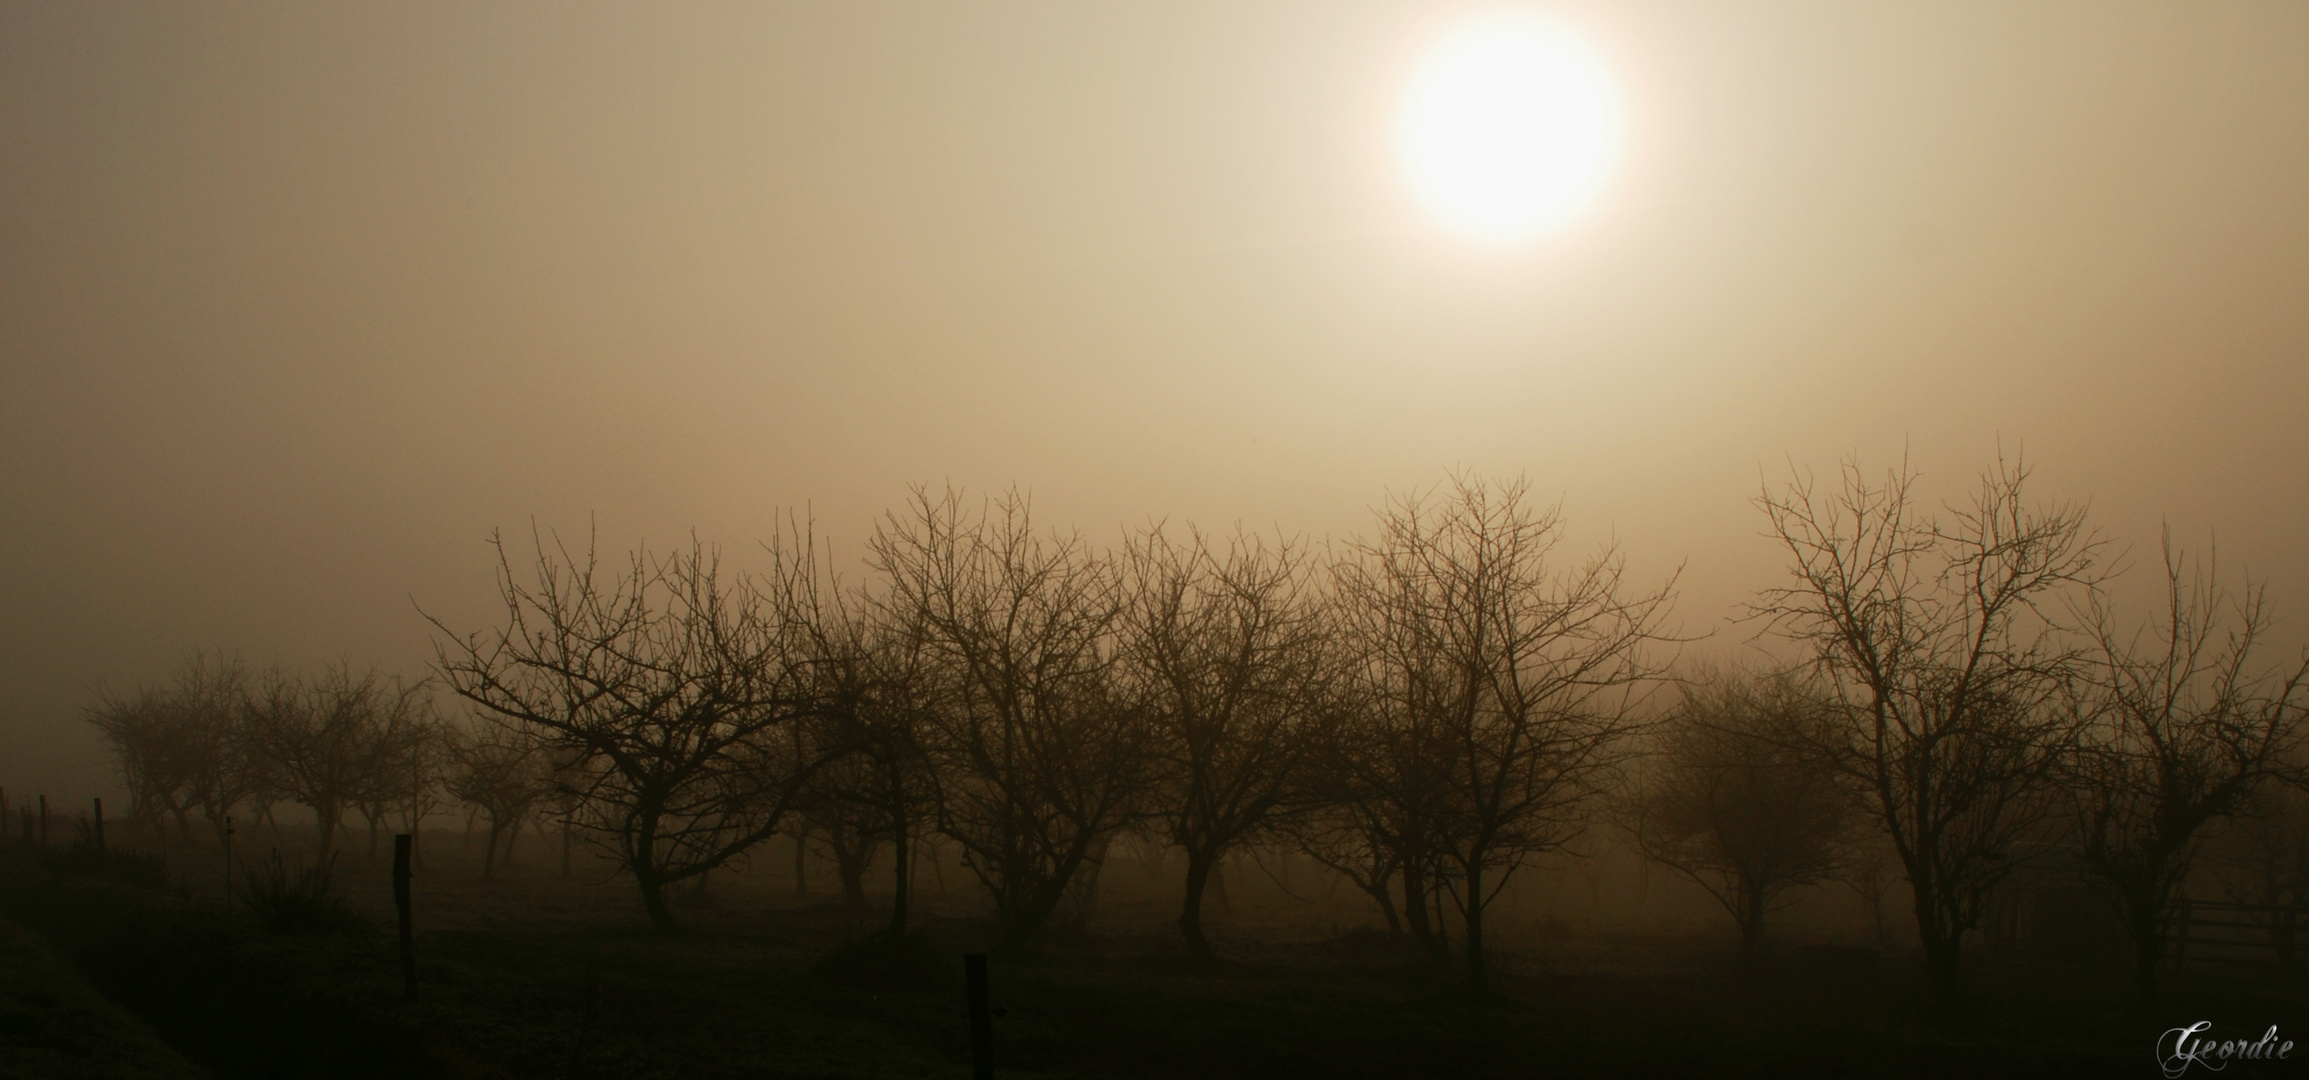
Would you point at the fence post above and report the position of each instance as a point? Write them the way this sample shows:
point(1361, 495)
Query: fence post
point(401, 901)
point(100, 825)
point(44, 821)
point(981, 1017)
point(3, 812)
point(228, 857)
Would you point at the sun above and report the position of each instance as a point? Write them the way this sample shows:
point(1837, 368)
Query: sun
point(1510, 128)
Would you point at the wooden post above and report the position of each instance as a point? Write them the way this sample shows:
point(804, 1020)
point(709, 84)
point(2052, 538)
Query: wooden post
point(228, 857)
point(3, 812)
point(100, 825)
point(44, 821)
point(401, 901)
point(981, 1017)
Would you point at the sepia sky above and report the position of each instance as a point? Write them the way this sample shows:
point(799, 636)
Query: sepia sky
point(299, 302)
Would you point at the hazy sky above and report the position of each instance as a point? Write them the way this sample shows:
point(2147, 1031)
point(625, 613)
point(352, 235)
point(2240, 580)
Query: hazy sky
point(298, 302)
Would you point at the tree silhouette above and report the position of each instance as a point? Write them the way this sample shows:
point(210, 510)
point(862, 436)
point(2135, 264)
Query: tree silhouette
point(682, 702)
point(1502, 686)
point(1937, 639)
point(1737, 800)
point(1227, 650)
point(1040, 756)
point(2184, 729)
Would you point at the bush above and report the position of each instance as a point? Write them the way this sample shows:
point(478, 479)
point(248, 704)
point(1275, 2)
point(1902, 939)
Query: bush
point(84, 859)
point(306, 903)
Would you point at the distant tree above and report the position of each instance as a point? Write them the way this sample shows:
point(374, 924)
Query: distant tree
point(423, 787)
point(1338, 836)
point(1937, 638)
point(2185, 729)
point(1387, 780)
point(1498, 676)
point(145, 733)
point(182, 746)
point(209, 709)
point(506, 774)
point(328, 742)
point(883, 790)
point(682, 701)
point(2265, 848)
point(1227, 649)
point(1040, 757)
point(1737, 799)
point(399, 751)
point(1872, 872)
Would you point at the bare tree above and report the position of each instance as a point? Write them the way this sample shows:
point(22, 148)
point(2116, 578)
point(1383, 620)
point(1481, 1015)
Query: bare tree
point(2265, 848)
point(2185, 729)
point(884, 790)
point(424, 783)
point(146, 734)
point(395, 748)
point(507, 774)
point(1937, 640)
point(325, 741)
point(1039, 756)
point(1513, 676)
point(1338, 835)
point(681, 700)
point(212, 704)
point(1737, 800)
point(1387, 776)
point(183, 746)
point(1227, 650)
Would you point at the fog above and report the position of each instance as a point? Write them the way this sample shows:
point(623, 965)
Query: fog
point(301, 303)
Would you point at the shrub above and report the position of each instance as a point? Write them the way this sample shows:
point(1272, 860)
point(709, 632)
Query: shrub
point(307, 902)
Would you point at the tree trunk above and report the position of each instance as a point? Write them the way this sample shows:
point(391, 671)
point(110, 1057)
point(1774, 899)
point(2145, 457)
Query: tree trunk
point(1478, 974)
point(1751, 918)
point(1943, 954)
point(851, 856)
point(1191, 920)
point(2144, 916)
point(489, 858)
point(326, 819)
point(1379, 891)
point(1415, 910)
point(2148, 952)
point(653, 903)
point(902, 882)
point(1093, 866)
point(1031, 909)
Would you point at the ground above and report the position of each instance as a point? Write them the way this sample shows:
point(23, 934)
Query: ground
point(534, 975)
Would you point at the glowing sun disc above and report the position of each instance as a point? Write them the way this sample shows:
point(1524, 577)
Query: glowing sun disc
point(1510, 128)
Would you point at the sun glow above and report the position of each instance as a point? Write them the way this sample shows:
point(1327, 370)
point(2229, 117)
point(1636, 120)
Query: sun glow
point(1510, 128)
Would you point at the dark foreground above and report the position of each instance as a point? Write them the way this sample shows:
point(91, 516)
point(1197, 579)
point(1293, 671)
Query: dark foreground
point(538, 977)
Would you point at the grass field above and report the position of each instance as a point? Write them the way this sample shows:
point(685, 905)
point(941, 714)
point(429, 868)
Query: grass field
point(54, 1026)
point(537, 976)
